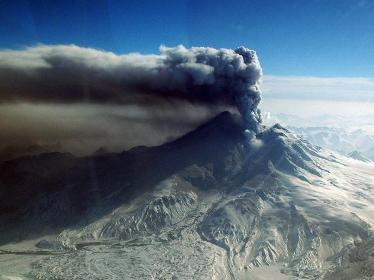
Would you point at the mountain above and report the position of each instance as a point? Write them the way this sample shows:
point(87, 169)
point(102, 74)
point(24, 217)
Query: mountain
point(357, 155)
point(213, 204)
point(341, 140)
point(13, 152)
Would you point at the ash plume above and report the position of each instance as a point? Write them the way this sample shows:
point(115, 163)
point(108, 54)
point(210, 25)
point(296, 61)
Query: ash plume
point(72, 74)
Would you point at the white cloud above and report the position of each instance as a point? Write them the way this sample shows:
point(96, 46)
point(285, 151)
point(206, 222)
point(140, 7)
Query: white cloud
point(318, 88)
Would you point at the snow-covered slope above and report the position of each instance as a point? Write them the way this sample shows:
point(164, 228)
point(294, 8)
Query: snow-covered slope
point(210, 205)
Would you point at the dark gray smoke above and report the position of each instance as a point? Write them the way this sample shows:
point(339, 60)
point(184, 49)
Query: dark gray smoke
point(71, 74)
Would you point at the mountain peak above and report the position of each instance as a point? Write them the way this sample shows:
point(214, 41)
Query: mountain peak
point(224, 124)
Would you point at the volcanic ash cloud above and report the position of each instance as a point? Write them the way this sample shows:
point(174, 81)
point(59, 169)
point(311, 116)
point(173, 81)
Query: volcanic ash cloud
point(72, 74)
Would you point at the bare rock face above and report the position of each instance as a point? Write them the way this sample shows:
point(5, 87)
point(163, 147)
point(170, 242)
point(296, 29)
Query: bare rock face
point(213, 204)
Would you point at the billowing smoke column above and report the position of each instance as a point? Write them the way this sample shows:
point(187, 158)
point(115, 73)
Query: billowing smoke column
point(220, 76)
point(65, 74)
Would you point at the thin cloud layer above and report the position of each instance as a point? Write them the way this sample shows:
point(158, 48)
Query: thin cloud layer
point(71, 74)
point(319, 88)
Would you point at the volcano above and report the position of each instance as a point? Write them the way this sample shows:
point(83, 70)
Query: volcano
point(213, 204)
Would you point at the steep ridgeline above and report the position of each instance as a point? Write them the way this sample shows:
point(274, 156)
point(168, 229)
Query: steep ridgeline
point(214, 204)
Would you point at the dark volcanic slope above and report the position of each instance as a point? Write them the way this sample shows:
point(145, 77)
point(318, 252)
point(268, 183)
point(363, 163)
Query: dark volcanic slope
point(56, 190)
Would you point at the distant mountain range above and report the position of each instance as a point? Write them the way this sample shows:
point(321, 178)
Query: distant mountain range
point(13, 152)
point(339, 139)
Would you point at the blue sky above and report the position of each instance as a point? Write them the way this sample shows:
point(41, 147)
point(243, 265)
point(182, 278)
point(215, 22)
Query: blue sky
point(325, 38)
